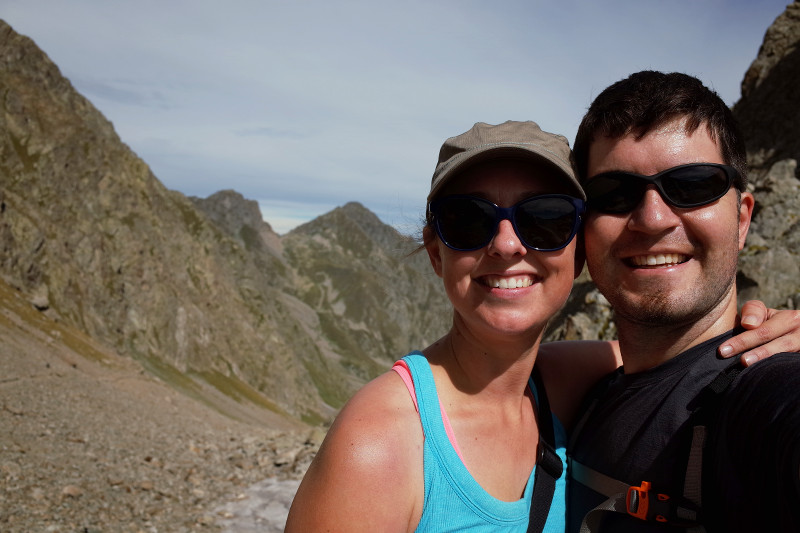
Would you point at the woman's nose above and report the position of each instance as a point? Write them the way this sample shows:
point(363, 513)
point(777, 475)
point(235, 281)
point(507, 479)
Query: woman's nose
point(506, 242)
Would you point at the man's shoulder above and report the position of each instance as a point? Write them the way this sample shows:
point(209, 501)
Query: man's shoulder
point(782, 367)
point(765, 394)
point(603, 387)
point(781, 371)
point(755, 455)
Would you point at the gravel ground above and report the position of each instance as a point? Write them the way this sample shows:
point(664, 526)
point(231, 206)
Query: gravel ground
point(91, 446)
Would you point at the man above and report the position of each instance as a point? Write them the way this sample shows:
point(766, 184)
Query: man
point(663, 166)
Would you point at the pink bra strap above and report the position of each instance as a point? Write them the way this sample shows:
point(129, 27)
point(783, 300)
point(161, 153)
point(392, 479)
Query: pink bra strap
point(405, 374)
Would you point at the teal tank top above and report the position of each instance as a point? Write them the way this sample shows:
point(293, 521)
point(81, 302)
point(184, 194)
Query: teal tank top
point(454, 501)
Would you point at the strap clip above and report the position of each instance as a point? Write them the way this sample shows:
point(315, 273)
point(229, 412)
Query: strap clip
point(646, 504)
point(637, 503)
point(548, 459)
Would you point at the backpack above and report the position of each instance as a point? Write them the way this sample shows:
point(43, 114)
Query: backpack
point(644, 501)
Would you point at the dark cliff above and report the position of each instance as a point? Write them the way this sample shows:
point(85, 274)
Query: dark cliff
point(769, 113)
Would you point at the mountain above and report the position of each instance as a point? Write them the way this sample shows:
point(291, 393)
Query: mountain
point(204, 295)
point(200, 292)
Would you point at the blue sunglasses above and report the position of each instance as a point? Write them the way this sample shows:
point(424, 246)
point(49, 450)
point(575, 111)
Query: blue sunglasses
point(545, 223)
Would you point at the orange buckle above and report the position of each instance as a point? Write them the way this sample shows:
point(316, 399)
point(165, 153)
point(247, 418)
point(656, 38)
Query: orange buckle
point(637, 501)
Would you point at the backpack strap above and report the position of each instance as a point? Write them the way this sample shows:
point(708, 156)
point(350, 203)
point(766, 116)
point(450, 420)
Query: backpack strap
point(644, 502)
point(548, 464)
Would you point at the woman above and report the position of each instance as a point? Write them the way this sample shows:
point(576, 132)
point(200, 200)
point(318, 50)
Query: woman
point(448, 440)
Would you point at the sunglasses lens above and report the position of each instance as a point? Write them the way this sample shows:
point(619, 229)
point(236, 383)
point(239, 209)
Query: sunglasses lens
point(684, 186)
point(614, 192)
point(546, 223)
point(464, 223)
point(694, 185)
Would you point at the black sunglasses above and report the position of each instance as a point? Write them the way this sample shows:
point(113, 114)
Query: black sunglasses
point(683, 186)
point(545, 223)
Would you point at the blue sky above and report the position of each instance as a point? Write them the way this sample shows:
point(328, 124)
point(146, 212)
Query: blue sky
point(306, 105)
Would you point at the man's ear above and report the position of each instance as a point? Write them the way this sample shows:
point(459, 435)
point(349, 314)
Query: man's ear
point(433, 247)
point(746, 204)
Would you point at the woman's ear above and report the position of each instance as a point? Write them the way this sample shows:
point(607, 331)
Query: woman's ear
point(580, 253)
point(433, 247)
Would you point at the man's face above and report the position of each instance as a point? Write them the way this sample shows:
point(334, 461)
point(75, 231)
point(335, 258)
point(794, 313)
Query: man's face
point(661, 265)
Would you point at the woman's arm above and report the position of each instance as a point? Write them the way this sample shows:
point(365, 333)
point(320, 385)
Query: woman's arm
point(368, 473)
point(570, 368)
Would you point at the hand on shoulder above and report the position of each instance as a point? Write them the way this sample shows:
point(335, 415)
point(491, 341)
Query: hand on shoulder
point(769, 331)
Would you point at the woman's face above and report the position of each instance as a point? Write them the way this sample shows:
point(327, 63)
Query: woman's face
point(504, 288)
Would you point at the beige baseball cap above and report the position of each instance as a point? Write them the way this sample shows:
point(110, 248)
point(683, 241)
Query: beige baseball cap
point(509, 139)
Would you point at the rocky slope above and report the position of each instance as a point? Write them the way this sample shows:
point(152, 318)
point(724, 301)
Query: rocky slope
point(91, 442)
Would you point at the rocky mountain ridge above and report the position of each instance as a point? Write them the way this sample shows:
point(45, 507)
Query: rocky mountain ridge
point(190, 288)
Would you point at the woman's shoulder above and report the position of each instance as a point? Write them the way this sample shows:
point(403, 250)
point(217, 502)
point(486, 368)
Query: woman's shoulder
point(381, 407)
point(369, 467)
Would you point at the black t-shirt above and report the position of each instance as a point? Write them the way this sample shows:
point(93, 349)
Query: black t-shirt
point(752, 480)
point(640, 430)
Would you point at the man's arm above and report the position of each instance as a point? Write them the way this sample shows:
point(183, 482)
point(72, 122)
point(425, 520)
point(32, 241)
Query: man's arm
point(753, 481)
point(570, 368)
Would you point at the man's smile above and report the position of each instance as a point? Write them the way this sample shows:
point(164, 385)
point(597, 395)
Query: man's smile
point(657, 260)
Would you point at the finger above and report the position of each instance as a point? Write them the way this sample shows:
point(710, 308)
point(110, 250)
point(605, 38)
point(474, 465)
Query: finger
point(754, 313)
point(748, 340)
point(762, 352)
point(780, 333)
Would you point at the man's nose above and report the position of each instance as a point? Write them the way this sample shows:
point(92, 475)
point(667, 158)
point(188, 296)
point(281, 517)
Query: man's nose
point(653, 214)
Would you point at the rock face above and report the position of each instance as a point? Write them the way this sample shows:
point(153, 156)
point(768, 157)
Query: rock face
point(98, 241)
point(768, 110)
point(769, 113)
point(364, 296)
